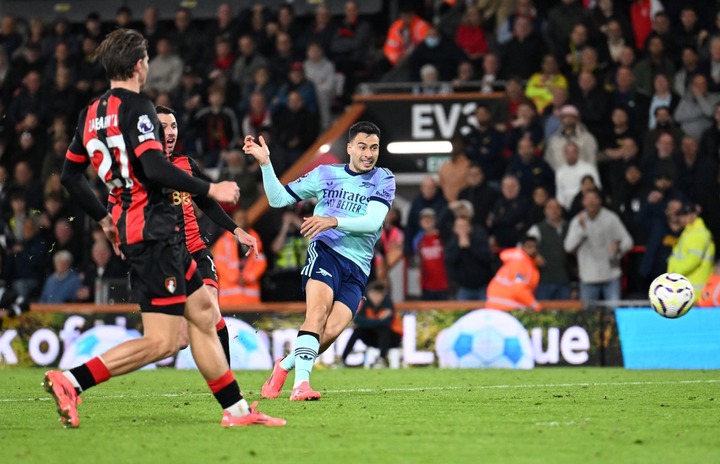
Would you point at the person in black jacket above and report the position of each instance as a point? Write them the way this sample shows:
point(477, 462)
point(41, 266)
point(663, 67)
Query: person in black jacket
point(468, 259)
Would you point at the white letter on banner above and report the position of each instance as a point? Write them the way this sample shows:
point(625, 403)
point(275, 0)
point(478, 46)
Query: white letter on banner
point(574, 345)
point(71, 330)
point(422, 122)
point(469, 111)
point(552, 355)
point(6, 350)
point(447, 124)
point(409, 344)
point(53, 347)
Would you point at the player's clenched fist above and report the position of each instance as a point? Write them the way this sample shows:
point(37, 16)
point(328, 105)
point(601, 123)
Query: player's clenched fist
point(226, 192)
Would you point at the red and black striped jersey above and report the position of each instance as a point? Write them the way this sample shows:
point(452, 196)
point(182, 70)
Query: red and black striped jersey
point(184, 209)
point(112, 134)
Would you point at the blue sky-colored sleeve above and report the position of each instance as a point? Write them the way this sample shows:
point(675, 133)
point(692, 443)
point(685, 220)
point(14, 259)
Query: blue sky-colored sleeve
point(278, 196)
point(385, 191)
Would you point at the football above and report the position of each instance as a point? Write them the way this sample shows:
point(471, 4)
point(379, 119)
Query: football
point(671, 295)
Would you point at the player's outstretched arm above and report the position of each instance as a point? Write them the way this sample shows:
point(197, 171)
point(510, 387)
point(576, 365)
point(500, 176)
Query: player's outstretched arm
point(260, 151)
point(276, 194)
point(370, 222)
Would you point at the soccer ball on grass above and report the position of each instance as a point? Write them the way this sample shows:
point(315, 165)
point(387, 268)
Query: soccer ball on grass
point(671, 295)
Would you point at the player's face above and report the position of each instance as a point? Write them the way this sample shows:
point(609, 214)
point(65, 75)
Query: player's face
point(364, 151)
point(169, 125)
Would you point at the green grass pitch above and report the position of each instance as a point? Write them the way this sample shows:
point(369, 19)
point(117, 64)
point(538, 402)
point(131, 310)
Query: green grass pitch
point(420, 415)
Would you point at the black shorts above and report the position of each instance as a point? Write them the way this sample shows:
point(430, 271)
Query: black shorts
point(206, 267)
point(162, 274)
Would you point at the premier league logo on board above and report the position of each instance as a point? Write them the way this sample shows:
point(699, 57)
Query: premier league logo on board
point(171, 284)
point(144, 125)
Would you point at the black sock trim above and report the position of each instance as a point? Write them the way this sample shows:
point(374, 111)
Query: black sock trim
point(228, 395)
point(84, 377)
point(224, 337)
point(312, 334)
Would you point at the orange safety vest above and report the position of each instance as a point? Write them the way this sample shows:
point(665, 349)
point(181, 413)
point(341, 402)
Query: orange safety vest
point(710, 296)
point(393, 47)
point(230, 267)
point(513, 287)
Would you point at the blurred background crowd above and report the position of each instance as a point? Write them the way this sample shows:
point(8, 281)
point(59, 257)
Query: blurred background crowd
point(612, 106)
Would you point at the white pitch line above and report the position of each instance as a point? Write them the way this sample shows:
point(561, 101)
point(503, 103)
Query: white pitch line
point(407, 389)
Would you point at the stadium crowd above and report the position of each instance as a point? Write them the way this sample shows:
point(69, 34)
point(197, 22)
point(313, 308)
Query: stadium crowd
point(612, 130)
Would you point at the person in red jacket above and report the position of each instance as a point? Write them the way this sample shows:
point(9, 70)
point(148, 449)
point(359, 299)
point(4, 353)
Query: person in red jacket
point(514, 284)
point(430, 251)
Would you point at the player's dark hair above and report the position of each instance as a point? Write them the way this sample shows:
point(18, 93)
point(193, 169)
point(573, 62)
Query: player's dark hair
point(160, 109)
point(119, 53)
point(366, 127)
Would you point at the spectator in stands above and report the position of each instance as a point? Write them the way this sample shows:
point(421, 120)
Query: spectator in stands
point(61, 31)
point(657, 62)
point(239, 270)
point(90, 75)
point(662, 158)
point(61, 59)
point(710, 139)
point(523, 8)
point(697, 179)
point(187, 39)
point(244, 172)
point(464, 78)
point(626, 201)
point(282, 58)
point(569, 175)
point(28, 108)
point(625, 95)
point(591, 100)
point(63, 97)
point(404, 35)
point(561, 20)
point(351, 46)
point(571, 51)
point(287, 22)
point(429, 82)
point(662, 30)
point(551, 117)
point(28, 60)
point(690, 61)
point(691, 33)
point(507, 220)
point(599, 239)
point(10, 39)
point(514, 284)
point(17, 214)
point(618, 147)
point(659, 194)
point(694, 253)
point(663, 95)
point(695, 111)
point(27, 261)
point(570, 130)
point(151, 29)
point(468, 259)
point(258, 115)
point(437, 50)
point(522, 55)
point(445, 220)
point(217, 127)
point(479, 194)
point(614, 38)
point(297, 82)
point(709, 67)
point(490, 76)
point(321, 30)
point(641, 14)
point(247, 62)
point(296, 126)
point(320, 71)
point(525, 125)
point(470, 35)
point(552, 260)
point(24, 178)
point(263, 83)
point(63, 284)
point(103, 267)
point(377, 323)
point(452, 174)
point(430, 196)
point(166, 70)
point(664, 124)
point(485, 145)
point(431, 257)
point(710, 296)
point(530, 170)
point(587, 183)
point(63, 239)
point(124, 19)
point(541, 84)
point(661, 238)
point(223, 26)
point(289, 246)
point(540, 197)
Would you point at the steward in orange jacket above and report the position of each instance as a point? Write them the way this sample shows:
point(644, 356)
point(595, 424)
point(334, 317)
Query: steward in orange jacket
point(238, 275)
point(403, 35)
point(710, 296)
point(513, 287)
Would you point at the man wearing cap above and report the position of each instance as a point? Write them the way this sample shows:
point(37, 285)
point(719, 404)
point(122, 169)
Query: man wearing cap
point(571, 130)
point(694, 253)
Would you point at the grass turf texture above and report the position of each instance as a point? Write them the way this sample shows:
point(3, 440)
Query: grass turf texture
point(424, 415)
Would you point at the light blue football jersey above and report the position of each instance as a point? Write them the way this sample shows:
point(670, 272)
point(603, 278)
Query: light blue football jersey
point(344, 193)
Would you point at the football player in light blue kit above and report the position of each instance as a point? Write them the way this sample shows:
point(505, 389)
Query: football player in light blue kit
point(353, 200)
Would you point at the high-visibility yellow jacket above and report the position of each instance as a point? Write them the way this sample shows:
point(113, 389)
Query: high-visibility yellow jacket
point(694, 255)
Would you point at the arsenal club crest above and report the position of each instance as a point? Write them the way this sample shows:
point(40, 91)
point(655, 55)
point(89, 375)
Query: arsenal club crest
point(171, 284)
